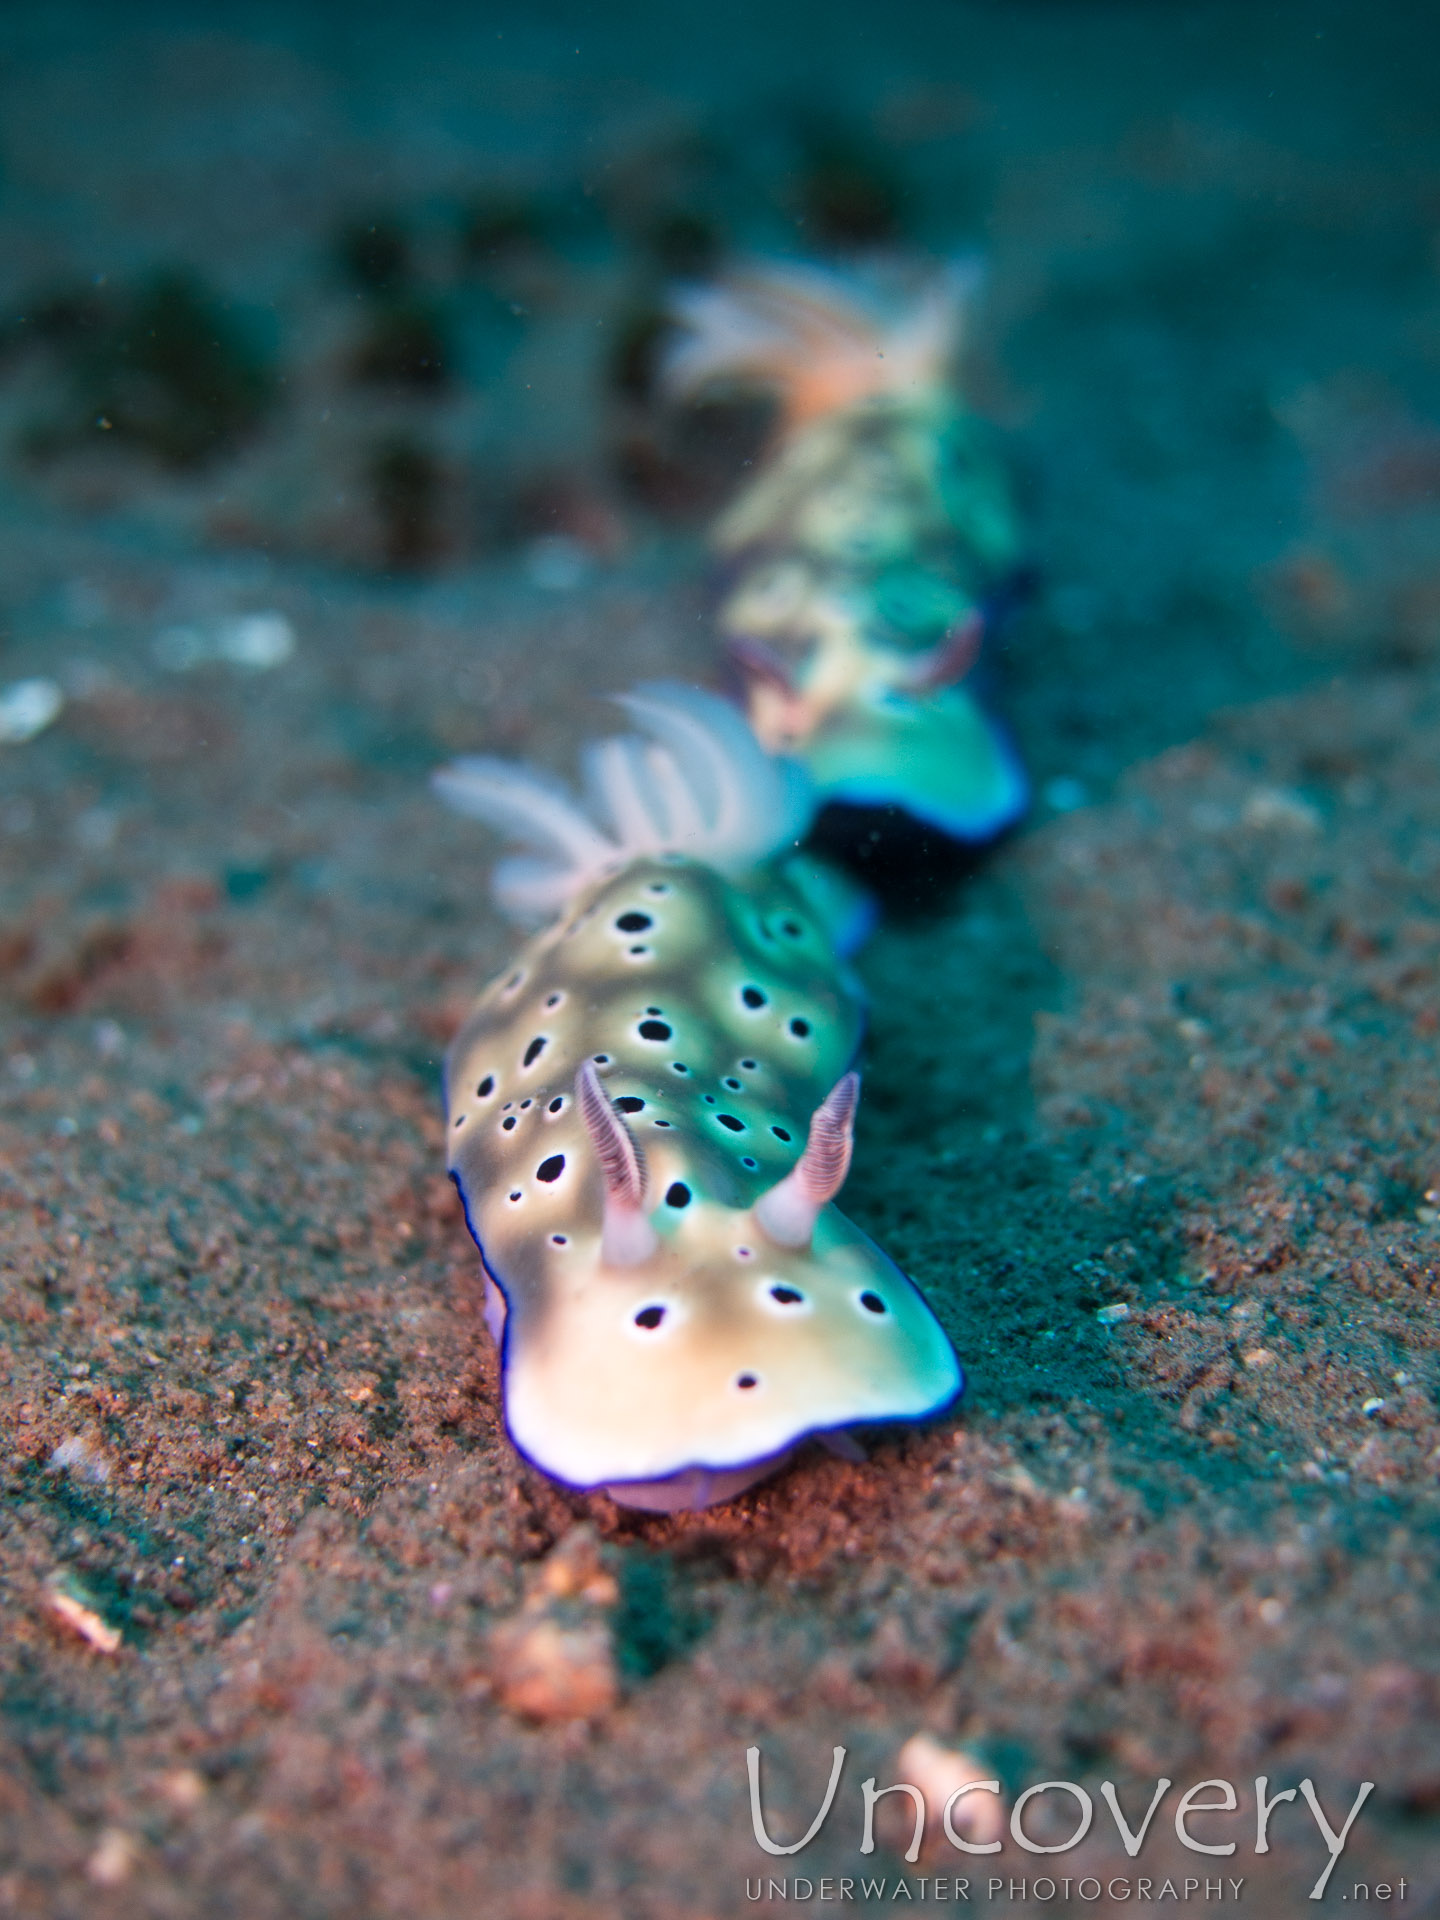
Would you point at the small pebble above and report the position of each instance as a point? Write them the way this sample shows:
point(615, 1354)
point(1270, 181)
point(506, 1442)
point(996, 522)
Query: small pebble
point(1373, 1406)
point(183, 1788)
point(1117, 1310)
point(573, 1570)
point(113, 1860)
point(548, 1671)
point(109, 1039)
point(1277, 807)
point(939, 1772)
point(555, 1659)
point(1018, 1480)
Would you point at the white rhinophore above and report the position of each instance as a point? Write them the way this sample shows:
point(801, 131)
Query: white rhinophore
point(628, 1239)
point(788, 1212)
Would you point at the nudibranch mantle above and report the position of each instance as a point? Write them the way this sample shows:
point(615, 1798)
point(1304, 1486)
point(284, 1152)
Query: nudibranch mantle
point(671, 1339)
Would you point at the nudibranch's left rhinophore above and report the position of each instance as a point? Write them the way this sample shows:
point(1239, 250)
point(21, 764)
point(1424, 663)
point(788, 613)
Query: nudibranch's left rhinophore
point(871, 557)
point(649, 1116)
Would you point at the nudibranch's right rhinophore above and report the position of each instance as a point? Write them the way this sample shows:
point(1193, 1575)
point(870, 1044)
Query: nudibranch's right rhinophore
point(863, 567)
point(650, 1115)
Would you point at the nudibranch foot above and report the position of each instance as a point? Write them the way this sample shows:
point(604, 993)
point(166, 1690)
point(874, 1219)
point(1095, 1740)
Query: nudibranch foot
point(695, 1488)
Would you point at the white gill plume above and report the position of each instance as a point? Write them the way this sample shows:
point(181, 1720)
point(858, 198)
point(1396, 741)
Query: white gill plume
point(788, 1212)
point(821, 340)
point(696, 782)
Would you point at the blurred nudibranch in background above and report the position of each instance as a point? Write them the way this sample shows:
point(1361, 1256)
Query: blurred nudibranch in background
point(864, 568)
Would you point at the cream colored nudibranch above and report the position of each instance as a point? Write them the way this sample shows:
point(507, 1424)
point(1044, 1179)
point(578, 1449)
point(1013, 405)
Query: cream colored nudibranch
point(649, 1116)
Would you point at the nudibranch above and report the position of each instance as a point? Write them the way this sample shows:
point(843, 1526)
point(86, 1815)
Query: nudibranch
point(864, 565)
point(650, 1115)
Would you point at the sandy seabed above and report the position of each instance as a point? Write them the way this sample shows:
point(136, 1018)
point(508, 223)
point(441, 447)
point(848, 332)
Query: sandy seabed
point(1152, 1109)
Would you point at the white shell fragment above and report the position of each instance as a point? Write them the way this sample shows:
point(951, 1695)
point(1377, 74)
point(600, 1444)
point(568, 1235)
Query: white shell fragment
point(27, 707)
point(113, 1860)
point(80, 1458)
point(259, 641)
point(957, 1791)
point(255, 642)
point(70, 1603)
